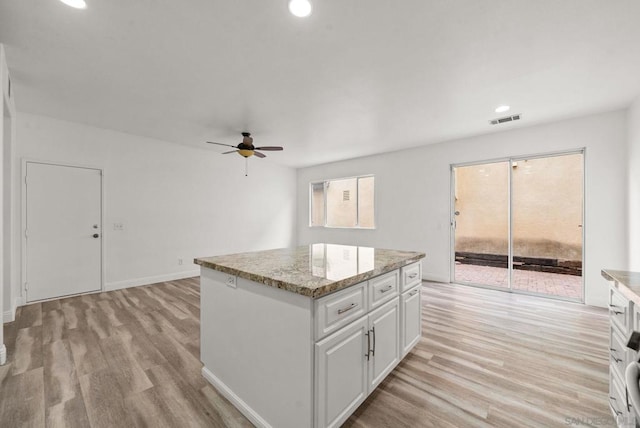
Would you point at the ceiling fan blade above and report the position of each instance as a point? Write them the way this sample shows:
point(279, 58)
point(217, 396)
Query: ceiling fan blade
point(270, 148)
point(220, 144)
point(231, 151)
point(260, 155)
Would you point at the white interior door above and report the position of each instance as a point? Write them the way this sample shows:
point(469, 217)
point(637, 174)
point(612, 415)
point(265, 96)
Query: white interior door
point(63, 230)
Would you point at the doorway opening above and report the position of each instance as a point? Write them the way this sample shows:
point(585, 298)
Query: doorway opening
point(517, 225)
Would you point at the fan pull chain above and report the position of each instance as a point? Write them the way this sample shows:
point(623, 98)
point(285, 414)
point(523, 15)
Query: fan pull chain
point(246, 167)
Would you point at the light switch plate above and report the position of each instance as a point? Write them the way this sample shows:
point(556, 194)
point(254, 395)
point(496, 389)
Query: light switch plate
point(231, 281)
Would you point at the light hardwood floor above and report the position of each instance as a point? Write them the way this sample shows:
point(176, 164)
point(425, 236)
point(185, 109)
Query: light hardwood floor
point(131, 358)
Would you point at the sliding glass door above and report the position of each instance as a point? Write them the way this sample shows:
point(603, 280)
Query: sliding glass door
point(481, 217)
point(517, 224)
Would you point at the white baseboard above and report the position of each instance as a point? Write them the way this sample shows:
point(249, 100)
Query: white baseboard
point(3, 354)
point(244, 408)
point(110, 286)
point(10, 315)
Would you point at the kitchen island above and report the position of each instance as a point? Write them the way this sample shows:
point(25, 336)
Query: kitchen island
point(624, 318)
point(300, 337)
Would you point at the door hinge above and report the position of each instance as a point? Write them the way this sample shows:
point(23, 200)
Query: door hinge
point(25, 179)
point(26, 235)
point(26, 286)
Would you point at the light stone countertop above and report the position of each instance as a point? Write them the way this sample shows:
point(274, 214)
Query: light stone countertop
point(628, 283)
point(313, 270)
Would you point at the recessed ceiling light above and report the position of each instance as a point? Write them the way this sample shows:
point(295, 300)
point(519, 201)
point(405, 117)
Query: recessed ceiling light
point(300, 8)
point(78, 4)
point(502, 109)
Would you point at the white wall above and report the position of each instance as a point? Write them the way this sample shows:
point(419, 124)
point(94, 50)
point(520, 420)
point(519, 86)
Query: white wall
point(7, 137)
point(174, 201)
point(634, 186)
point(413, 192)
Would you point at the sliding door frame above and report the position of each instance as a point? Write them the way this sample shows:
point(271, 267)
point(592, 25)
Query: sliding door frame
point(509, 288)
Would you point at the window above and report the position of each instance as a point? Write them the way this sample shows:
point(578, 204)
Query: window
point(344, 202)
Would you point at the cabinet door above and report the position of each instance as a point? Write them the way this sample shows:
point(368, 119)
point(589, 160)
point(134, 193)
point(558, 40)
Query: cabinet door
point(341, 374)
point(411, 327)
point(384, 329)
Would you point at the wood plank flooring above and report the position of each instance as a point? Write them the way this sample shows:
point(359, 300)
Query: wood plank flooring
point(494, 359)
point(131, 358)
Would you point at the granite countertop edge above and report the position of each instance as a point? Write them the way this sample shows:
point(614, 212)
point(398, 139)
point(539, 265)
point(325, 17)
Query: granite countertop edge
point(627, 282)
point(317, 292)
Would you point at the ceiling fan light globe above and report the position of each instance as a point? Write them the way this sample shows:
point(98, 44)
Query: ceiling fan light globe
point(300, 8)
point(245, 153)
point(76, 4)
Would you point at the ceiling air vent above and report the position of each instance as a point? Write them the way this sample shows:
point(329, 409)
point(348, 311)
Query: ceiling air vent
point(505, 119)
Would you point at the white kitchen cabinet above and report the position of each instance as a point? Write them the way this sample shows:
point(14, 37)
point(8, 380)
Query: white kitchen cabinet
point(621, 316)
point(384, 333)
point(339, 309)
point(341, 373)
point(383, 288)
point(411, 276)
point(353, 361)
point(410, 319)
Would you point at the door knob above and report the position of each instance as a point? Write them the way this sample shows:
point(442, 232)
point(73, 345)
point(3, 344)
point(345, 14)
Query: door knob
point(95, 235)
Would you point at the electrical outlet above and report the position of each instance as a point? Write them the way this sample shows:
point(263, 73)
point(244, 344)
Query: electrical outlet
point(231, 281)
point(118, 226)
point(179, 262)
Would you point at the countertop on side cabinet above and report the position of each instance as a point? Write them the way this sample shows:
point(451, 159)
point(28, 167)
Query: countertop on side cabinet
point(311, 270)
point(628, 283)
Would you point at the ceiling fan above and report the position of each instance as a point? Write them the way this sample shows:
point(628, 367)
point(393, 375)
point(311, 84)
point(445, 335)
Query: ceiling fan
point(247, 149)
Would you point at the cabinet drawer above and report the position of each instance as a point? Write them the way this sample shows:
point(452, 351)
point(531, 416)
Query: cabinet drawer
point(619, 310)
point(411, 275)
point(617, 351)
point(383, 288)
point(410, 319)
point(339, 309)
point(618, 398)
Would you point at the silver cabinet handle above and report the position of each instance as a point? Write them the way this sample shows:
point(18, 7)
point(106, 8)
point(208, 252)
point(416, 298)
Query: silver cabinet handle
point(373, 351)
point(617, 412)
point(368, 344)
point(412, 275)
point(616, 359)
point(413, 293)
point(613, 310)
point(386, 289)
point(348, 308)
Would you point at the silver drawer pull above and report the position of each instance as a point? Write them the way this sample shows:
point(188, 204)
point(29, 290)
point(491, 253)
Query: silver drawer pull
point(412, 275)
point(384, 290)
point(617, 412)
point(613, 310)
point(348, 308)
point(413, 293)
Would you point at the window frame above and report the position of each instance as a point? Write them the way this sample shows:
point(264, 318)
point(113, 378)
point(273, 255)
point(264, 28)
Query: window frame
point(357, 196)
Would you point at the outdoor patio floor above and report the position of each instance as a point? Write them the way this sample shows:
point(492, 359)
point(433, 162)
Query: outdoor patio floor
point(554, 284)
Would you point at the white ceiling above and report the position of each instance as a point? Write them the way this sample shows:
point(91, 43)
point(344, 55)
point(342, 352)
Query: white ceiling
point(358, 77)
